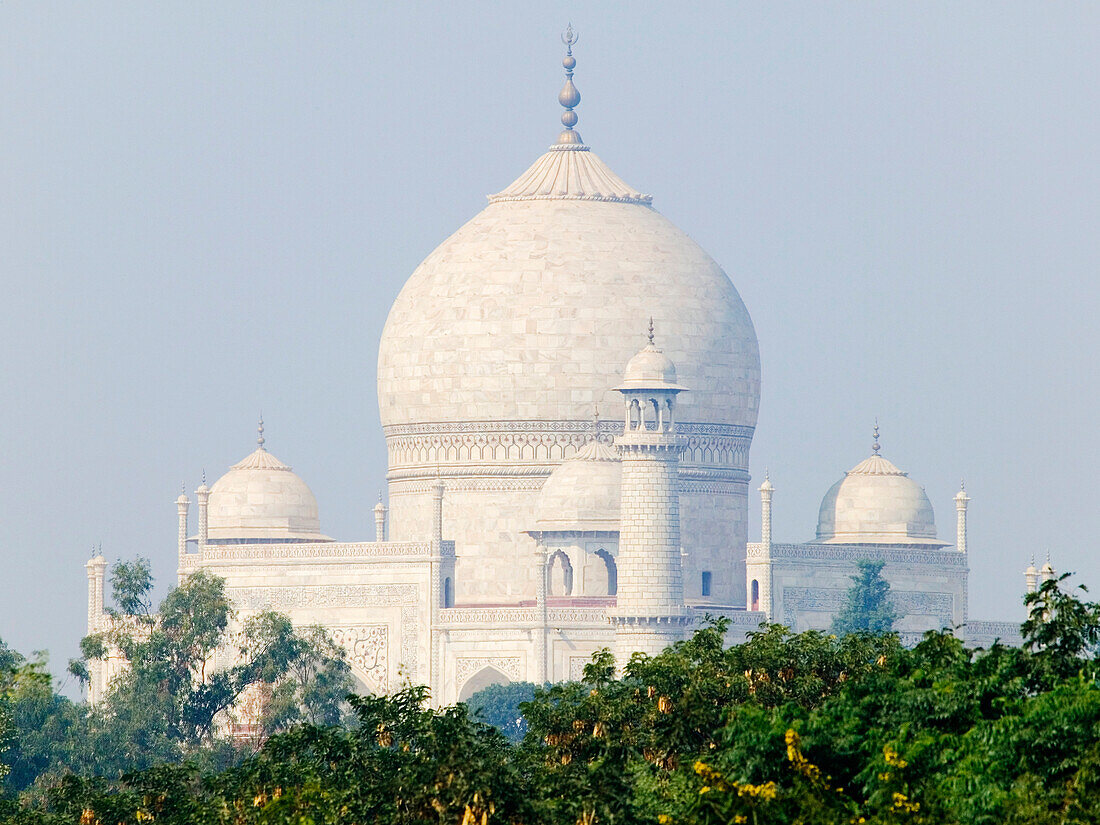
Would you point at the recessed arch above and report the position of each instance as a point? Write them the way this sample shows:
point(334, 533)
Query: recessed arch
point(488, 675)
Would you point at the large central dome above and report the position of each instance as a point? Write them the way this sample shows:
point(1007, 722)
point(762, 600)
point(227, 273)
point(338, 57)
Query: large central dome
point(509, 334)
point(530, 310)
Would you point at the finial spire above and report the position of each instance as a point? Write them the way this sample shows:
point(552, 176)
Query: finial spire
point(569, 97)
point(651, 330)
point(204, 475)
point(260, 431)
point(596, 423)
point(876, 446)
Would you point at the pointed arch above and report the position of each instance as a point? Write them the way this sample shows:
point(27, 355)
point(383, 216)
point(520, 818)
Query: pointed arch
point(488, 675)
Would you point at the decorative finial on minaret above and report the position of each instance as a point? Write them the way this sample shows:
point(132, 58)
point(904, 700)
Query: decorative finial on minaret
point(569, 97)
point(651, 330)
point(260, 430)
point(876, 446)
point(203, 476)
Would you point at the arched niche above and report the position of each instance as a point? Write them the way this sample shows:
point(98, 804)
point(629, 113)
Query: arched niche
point(482, 679)
point(560, 575)
point(600, 575)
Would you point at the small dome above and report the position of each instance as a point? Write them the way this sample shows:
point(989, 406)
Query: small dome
point(261, 500)
point(582, 493)
point(876, 503)
point(649, 368)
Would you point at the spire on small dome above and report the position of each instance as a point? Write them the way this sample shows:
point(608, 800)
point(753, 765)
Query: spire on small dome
point(260, 431)
point(651, 330)
point(767, 485)
point(596, 423)
point(569, 97)
point(876, 446)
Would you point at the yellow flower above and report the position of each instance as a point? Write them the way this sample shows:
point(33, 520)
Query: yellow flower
point(664, 819)
point(704, 789)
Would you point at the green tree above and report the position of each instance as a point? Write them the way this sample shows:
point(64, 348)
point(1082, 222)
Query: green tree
point(869, 608)
point(499, 705)
point(171, 701)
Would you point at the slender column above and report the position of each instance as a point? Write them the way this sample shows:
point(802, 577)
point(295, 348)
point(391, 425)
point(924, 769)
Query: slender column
point(96, 568)
point(437, 510)
point(379, 520)
point(961, 500)
point(203, 496)
point(182, 504)
point(542, 674)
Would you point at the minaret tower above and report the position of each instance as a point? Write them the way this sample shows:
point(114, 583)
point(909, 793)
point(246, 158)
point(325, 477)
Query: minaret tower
point(202, 495)
point(182, 505)
point(380, 520)
point(649, 614)
point(961, 500)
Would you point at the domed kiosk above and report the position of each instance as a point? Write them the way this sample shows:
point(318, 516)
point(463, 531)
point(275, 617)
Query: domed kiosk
point(506, 336)
point(874, 513)
point(261, 501)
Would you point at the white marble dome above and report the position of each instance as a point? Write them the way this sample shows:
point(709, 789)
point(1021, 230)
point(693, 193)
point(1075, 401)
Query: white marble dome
point(876, 503)
point(582, 494)
point(530, 310)
point(261, 500)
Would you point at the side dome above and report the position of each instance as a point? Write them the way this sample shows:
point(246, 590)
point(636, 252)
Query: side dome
point(582, 494)
point(876, 503)
point(528, 311)
point(261, 501)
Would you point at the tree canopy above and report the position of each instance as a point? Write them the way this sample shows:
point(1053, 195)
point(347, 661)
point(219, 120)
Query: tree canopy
point(869, 608)
point(809, 728)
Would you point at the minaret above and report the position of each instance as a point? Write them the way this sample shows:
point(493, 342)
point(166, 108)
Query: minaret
point(758, 571)
point(182, 504)
point(202, 495)
point(1031, 577)
point(649, 614)
point(766, 490)
point(96, 568)
point(961, 500)
point(380, 520)
point(1046, 573)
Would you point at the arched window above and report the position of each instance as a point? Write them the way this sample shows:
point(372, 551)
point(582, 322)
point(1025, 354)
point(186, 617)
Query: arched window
point(754, 595)
point(448, 593)
point(705, 586)
point(561, 575)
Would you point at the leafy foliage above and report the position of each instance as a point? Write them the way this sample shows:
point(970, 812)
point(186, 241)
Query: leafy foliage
point(787, 728)
point(869, 608)
point(499, 705)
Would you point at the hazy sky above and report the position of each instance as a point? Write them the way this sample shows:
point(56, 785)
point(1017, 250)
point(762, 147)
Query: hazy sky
point(207, 209)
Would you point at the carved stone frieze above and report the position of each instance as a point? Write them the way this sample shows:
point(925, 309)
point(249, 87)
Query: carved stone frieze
point(510, 666)
point(853, 553)
point(462, 442)
point(328, 595)
point(907, 602)
point(366, 648)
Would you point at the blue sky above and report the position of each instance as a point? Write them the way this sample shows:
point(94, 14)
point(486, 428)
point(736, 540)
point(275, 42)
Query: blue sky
point(208, 208)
